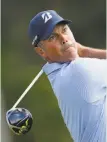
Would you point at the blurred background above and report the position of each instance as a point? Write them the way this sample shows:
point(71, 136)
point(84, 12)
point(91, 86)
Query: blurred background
point(20, 64)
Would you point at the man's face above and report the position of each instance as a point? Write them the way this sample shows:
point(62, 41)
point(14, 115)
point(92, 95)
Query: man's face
point(60, 46)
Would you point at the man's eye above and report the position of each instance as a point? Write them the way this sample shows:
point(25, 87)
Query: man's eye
point(52, 37)
point(64, 29)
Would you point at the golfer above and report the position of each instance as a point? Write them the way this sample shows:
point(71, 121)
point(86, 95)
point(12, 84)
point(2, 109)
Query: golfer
point(76, 74)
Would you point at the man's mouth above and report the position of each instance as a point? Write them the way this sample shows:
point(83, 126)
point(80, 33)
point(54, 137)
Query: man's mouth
point(68, 46)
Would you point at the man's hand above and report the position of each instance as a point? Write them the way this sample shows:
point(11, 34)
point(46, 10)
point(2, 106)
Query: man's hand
point(80, 49)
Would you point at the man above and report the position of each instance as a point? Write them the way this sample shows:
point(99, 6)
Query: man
point(76, 75)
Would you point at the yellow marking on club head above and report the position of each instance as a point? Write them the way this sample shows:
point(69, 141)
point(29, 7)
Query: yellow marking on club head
point(26, 122)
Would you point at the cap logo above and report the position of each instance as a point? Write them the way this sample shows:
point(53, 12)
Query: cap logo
point(46, 17)
point(35, 38)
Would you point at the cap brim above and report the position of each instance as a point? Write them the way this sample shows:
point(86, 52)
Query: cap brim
point(50, 29)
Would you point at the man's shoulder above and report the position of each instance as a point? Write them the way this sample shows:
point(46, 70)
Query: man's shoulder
point(79, 68)
point(87, 63)
point(79, 64)
point(84, 61)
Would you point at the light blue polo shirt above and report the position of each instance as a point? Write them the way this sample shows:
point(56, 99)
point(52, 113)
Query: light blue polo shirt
point(80, 87)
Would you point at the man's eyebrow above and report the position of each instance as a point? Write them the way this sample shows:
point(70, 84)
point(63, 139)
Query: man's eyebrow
point(53, 33)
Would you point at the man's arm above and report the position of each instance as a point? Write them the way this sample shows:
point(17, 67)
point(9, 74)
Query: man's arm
point(84, 51)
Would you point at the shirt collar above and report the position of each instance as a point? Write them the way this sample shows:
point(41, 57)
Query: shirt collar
point(50, 67)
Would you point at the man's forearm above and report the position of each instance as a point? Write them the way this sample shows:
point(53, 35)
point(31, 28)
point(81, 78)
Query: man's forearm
point(91, 52)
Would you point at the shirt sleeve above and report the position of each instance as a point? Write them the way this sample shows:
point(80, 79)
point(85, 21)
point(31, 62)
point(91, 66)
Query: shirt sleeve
point(91, 78)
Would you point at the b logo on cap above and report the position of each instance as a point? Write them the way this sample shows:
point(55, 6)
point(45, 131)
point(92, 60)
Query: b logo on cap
point(46, 17)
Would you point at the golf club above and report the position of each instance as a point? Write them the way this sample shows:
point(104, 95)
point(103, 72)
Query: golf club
point(20, 120)
point(28, 88)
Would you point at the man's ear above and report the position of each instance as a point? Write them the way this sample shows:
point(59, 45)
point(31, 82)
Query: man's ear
point(40, 51)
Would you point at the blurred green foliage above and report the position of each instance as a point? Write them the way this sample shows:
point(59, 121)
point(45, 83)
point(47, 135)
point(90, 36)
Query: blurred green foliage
point(20, 64)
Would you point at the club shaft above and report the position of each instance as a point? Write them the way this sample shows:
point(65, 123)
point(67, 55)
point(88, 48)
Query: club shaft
point(28, 88)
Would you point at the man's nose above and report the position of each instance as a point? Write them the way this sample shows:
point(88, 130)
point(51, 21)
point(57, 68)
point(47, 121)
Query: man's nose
point(63, 39)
